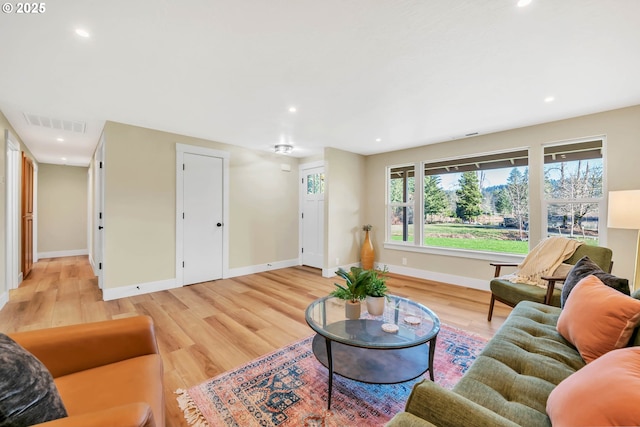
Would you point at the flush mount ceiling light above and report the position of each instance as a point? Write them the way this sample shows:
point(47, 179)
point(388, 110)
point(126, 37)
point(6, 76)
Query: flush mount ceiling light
point(523, 3)
point(283, 148)
point(549, 99)
point(292, 109)
point(378, 139)
point(82, 32)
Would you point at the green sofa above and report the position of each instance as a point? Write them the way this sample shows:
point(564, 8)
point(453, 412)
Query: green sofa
point(509, 382)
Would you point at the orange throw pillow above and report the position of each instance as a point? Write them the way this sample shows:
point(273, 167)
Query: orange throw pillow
point(603, 393)
point(597, 319)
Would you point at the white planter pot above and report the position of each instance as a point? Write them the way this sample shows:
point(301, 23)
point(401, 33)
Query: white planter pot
point(352, 310)
point(375, 305)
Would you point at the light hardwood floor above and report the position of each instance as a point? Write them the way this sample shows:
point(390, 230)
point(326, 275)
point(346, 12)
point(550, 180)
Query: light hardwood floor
point(209, 328)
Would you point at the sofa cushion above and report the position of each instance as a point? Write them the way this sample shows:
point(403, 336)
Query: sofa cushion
point(581, 400)
point(28, 394)
point(520, 365)
point(585, 267)
point(597, 319)
point(116, 384)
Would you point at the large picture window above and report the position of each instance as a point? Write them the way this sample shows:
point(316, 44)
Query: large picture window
point(573, 190)
point(477, 203)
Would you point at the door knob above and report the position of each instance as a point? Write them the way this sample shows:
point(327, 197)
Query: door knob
point(100, 227)
point(219, 224)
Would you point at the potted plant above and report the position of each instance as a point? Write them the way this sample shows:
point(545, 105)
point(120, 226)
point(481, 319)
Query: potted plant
point(354, 290)
point(377, 292)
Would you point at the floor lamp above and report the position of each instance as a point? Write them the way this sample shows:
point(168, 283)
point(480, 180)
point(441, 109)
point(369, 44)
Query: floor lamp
point(624, 212)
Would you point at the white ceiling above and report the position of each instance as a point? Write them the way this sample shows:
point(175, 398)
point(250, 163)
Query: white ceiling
point(410, 72)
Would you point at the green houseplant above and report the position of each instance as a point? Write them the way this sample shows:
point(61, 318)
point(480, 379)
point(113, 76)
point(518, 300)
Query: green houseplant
point(354, 289)
point(377, 291)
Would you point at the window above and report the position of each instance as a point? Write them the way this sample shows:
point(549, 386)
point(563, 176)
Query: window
point(315, 183)
point(573, 190)
point(476, 203)
point(401, 206)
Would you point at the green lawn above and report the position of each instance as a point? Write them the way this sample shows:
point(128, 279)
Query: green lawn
point(474, 237)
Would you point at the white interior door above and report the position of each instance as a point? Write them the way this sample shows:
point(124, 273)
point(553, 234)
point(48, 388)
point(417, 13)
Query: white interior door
point(202, 218)
point(98, 249)
point(313, 217)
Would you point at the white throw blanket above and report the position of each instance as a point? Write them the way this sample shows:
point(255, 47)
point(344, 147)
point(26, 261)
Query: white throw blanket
point(543, 260)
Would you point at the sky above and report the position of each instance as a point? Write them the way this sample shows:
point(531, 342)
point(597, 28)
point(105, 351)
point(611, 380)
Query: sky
point(493, 177)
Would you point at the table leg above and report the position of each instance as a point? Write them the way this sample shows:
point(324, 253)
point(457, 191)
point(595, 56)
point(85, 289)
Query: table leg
point(432, 351)
point(330, 367)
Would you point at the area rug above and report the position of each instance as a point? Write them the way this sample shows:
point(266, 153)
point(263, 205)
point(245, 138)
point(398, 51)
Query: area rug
point(289, 388)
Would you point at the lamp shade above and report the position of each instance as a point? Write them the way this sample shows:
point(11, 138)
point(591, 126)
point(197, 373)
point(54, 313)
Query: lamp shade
point(624, 209)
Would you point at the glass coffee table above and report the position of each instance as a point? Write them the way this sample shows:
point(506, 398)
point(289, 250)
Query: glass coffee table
point(361, 350)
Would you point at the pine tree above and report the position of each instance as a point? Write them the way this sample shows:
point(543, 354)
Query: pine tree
point(469, 197)
point(435, 199)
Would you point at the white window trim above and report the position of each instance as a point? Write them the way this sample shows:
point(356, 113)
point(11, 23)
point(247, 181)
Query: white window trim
point(390, 206)
point(602, 201)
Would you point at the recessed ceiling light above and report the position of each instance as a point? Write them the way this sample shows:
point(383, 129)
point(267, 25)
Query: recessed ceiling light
point(523, 3)
point(64, 159)
point(378, 139)
point(549, 99)
point(292, 109)
point(60, 139)
point(82, 32)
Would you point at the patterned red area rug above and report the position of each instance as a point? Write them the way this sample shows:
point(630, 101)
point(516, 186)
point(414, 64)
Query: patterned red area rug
point(289, 388)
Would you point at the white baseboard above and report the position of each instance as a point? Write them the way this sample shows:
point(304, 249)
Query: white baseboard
point(331, 272)
point(93, 265)
point(60, 254)
point(252, 269)
point(467, 282)
point(4, 298)
point(109, 294)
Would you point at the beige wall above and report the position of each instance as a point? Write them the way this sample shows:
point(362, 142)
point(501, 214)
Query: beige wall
point(622, 131)
point(344, 206)
point(140, 204)
point(62, 208)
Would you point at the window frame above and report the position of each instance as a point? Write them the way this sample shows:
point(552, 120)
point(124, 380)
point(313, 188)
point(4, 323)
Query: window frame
point(390, 206)
point(601, 201)
point(418, 244)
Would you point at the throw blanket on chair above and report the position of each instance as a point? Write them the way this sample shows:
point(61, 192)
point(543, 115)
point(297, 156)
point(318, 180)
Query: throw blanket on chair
point(543, 260)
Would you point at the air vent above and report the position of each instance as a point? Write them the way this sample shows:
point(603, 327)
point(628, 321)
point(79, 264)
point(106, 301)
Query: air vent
point(58, 124)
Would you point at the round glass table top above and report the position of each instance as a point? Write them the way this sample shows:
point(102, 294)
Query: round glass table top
point(410, 323)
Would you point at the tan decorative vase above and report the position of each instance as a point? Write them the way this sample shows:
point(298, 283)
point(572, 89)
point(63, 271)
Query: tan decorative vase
point(367, 253)
point(352, 310)
point(375, 305)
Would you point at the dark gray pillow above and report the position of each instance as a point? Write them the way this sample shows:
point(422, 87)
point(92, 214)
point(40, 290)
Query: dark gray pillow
point(585, 267)
point(28, 394)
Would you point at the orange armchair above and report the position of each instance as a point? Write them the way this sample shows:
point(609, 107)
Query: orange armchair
point(108, 374)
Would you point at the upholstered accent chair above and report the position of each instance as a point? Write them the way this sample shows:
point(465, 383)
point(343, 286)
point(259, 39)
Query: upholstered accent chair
point(107, 373)
point(512, 293)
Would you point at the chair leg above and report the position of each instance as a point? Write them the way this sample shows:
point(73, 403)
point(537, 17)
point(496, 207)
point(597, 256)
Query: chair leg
point(491, 304)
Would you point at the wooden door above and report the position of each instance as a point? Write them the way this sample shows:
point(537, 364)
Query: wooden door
point(27, 215)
